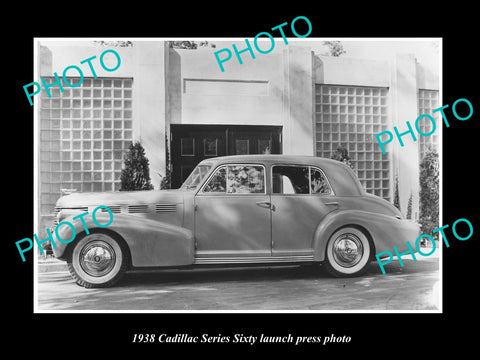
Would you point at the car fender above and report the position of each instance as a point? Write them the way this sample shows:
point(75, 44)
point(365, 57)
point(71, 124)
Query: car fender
point(150, 242)
point(384, 231)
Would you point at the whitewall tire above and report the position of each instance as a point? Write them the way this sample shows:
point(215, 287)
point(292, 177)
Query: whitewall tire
point(348, 252)
point(98, 260)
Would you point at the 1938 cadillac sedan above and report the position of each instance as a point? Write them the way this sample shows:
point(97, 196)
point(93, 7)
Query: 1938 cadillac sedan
point(249, 209)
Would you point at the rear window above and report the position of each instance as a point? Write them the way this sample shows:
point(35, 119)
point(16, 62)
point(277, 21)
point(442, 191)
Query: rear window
point(291, 179)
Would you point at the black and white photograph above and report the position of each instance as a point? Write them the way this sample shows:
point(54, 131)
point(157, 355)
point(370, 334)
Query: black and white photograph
point(254, 185)
point(287, 185)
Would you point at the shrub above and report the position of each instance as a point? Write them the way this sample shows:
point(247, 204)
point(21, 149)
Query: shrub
point(136, 174)
point(409, 207)
point(166, 182)
point(341, 154)
point(396, 196)
point(429, 192)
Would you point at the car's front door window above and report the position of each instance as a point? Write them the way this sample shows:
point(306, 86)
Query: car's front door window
point(237, 179)
point(218, 182)
point(196, 176)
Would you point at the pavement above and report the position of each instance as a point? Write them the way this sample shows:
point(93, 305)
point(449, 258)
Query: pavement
point(414, 287)
point(51, 265)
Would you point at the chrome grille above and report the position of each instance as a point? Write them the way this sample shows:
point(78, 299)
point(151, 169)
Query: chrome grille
point(55, 215)
point(58, 209)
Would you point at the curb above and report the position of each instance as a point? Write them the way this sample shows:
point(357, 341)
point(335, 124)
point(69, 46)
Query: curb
point(52, 266)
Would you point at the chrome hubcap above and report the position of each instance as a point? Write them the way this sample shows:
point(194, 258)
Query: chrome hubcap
point(97, 258)
point(347, 250)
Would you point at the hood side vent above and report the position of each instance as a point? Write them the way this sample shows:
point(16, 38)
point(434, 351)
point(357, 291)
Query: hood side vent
point(137, 209)
point(165, 208)
point(115, 209)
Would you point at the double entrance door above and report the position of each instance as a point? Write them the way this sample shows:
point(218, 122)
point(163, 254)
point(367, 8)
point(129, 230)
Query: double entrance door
point(194, 143)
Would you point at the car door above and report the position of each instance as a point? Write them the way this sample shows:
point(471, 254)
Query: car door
point(232, 213)
point(301, 197)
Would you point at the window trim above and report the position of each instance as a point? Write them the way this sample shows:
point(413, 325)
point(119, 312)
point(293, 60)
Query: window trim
point(205, 147)
point(248, 146)
point(270, 145)
point(331, 193)
point(193, 147)
point(202, 188)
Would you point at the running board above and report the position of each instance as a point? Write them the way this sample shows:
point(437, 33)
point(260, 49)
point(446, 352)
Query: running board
point(253, 259)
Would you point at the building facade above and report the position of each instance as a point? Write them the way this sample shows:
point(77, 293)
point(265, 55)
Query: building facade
point(183, 109)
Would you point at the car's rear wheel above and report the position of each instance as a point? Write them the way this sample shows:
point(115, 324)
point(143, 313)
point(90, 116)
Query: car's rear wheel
point(98, 260)
point(348, 252)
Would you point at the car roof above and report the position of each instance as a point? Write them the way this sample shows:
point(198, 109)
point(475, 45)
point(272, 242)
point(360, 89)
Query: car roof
point(274, 158)
point(340, 176)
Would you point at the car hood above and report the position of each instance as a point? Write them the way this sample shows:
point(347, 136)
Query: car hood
point(121, 198)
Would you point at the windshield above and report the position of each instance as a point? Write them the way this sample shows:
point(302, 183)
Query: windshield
point(196, 177)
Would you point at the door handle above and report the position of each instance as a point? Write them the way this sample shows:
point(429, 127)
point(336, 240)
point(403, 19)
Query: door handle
point(266, 204)
point(332, 203)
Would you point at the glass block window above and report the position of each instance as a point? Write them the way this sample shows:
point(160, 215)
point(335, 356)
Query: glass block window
point(84, 133)
point(350, 117)
point(427, 102)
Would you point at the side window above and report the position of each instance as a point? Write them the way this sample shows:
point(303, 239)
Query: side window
point(318, 182)
point(299, 180)
point(245, 179)
point(218, 181)
point(290, 180)
point(237, 179)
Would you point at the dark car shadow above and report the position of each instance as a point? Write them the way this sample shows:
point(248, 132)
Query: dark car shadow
point(217, 275)
point(263, 273)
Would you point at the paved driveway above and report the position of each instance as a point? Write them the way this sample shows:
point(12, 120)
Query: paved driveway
point(412, 287)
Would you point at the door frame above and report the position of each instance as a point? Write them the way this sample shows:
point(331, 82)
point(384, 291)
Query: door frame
point(252, 200)
point(229, 131)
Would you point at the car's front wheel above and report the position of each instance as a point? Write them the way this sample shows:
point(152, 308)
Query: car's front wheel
point(98, 260)
point(348, 252)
